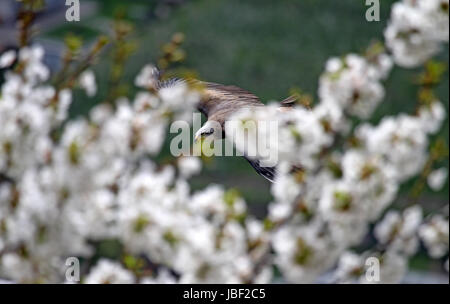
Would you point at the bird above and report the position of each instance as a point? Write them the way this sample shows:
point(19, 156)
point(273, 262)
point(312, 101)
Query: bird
point(218, 103)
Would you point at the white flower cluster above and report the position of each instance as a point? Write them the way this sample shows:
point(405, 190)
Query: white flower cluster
point(87, 82)
point(435, 234)
point(295, 130)
point(108, 272)
point(65, 186)
point(416, 30)
point(399, 235)
point(353, 268)
point(399, 231)
point(7, 59)
point(325, 202)
point(353, 83)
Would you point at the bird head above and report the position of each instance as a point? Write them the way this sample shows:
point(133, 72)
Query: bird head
point(211, 130)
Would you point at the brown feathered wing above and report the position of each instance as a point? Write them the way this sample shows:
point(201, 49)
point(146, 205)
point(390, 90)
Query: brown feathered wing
point(220, 102)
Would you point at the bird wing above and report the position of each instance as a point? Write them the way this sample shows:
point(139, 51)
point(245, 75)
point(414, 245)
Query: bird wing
point(267, 172)
point(220, 101)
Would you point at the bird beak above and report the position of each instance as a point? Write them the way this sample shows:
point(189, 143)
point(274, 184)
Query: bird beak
point(197, 138)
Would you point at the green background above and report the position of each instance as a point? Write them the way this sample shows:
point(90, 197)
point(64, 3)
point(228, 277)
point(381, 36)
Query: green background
point(266, 47)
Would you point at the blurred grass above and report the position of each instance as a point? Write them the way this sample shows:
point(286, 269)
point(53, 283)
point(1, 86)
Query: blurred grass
point(266, 47)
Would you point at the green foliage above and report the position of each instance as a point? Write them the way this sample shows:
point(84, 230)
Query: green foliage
point(267, 47)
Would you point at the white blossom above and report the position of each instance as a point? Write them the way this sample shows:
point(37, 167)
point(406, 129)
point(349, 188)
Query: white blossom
point(437, 178)
point(393, 268)
point(432, 117)
point(416, 30)
point(68, 183)
point(349, 268)
point(401, 141)
point(87, 82)
point(189, 166)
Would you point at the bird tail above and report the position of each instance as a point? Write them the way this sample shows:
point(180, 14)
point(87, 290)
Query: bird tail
point(267, 172)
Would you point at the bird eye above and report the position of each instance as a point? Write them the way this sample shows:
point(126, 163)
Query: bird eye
point(211, 131)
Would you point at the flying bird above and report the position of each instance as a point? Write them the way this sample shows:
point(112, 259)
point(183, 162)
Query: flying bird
point(219, 102)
